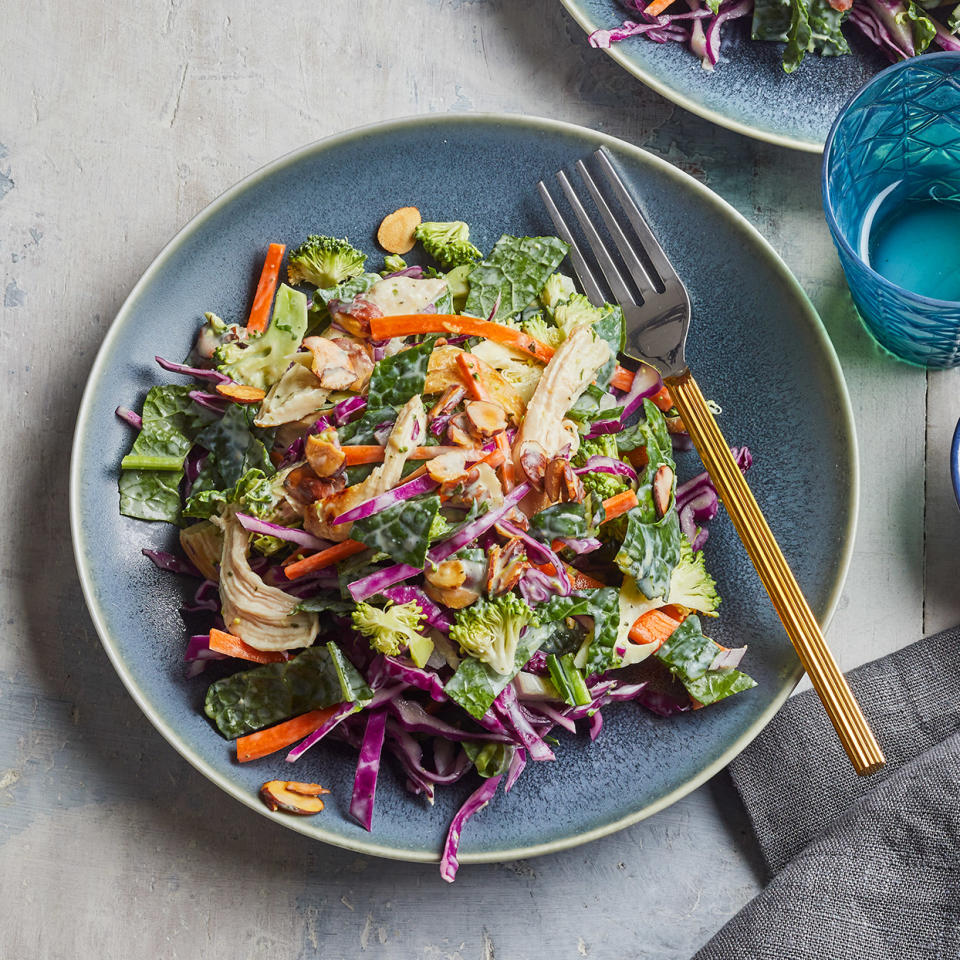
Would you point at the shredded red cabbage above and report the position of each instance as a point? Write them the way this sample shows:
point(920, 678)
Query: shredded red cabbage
point(342, 712)
point(414, 719)
point(349, 409)
point(167, 561)
point(368, 766)
point(290, 534)
point(134, 419)
point(215, 376)
point(449, 864)
point(412, 488)
point(517, 762)
point(408, 673)
point(508, 710)
point(599, 464)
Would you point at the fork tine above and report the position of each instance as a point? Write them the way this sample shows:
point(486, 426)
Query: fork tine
point(646, 282)
point(587, 280)
point(608, 268)
point(648, 241)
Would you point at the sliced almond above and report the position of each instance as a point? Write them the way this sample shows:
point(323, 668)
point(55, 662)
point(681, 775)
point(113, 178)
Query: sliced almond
point(326, 458)
point(290, 796)
point(396, 233)
point(362, 359)
point(553, 478)
point(505, 566)
point(448, 467)
point(572, 485)
point(306, 789)
point(675, 425)
point(331, 363)
point(662, 488)
point(447, 402)
point(357, 319)
point(458, 432)
point(239, 393)
point(485, 419)
point(450, 573)
point(456, 598)
point(304, 486)
point(533, 462)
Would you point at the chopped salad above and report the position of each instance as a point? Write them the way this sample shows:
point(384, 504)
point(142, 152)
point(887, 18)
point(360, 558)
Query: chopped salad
point(899, 28)
point(431, 516)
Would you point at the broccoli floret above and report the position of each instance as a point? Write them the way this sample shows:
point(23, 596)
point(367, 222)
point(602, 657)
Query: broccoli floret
point(324, 262)
point(558, 288)
point(448, 243)
point(601, 485)
point(489, 630)
point(576, 312)
point(458, 283)
point(394, 627)
point(539, 329)
point(690, 584)
point(261, 359)
point(603, 446)
point(393, 263)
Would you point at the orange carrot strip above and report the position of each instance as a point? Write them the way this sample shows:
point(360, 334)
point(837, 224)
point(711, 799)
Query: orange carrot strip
point(581, 580)
point(231, 646)
point(622, 378)
point(619, 504)
point(578, 579)
point(654, 626)
point(264, 742)
point(262, 300)
point(493, 459)
point(317, 561)
point(470, 371)
point(662, 399)
point(359, 454)
point(384, 328)
point(508, 478)
point(657, 7)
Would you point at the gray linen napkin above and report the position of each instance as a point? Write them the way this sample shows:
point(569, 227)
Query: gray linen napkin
point(862, 868)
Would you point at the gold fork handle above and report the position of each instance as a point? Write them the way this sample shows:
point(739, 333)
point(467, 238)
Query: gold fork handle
point(798, 619)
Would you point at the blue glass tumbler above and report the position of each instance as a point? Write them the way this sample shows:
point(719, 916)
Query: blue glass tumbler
point(898, 137)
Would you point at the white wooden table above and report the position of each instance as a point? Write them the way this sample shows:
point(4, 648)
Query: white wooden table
point(118, 123)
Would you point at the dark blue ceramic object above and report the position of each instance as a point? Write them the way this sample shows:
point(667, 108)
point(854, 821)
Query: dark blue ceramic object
point(758, 349)
point(748, 90)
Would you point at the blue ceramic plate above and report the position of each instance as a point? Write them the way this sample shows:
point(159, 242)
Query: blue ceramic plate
point(748, 90)
point(758, 349)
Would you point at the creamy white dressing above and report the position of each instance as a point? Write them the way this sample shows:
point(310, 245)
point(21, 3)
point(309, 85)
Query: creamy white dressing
point(396, 296)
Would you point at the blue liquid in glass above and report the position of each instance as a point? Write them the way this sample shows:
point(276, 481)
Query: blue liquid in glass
point(914, 241)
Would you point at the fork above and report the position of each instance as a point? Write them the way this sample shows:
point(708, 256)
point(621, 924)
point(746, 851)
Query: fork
point(656, 333)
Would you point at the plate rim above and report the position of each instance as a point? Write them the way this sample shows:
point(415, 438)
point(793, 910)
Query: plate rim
point(665, 90)
point(529, 122)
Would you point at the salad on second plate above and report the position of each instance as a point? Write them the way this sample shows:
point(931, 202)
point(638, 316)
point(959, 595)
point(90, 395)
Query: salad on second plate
point(431, 514)
point(899, 28)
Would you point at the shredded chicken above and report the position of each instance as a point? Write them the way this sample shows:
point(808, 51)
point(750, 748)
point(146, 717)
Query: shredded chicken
point(570, 371)
point(257, 613)
point(410, 427)
point(294, 396)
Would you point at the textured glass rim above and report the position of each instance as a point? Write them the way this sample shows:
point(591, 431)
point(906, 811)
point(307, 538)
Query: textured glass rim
point(832, 223)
